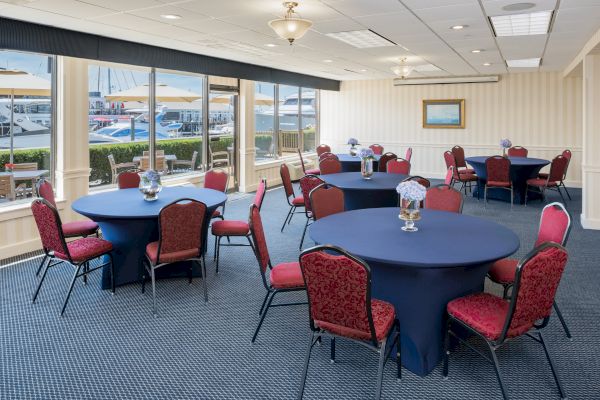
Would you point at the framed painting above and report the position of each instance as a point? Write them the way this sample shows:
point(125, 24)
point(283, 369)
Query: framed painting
point(444, 113)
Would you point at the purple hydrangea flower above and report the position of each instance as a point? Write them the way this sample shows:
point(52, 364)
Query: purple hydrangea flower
point(352, 142)
point(365, 152)
point(411, 190)
point(505, 143)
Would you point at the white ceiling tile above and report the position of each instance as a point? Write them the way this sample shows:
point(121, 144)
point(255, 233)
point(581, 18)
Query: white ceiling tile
point(358, 8)
point(154, 13)
point(420, 4)
point(494, 7)
point(70, 8)
point(123, 5)
point(522, 46)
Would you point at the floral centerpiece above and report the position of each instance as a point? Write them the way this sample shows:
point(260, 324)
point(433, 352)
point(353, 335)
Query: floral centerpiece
point(366, 162)
point(150, 185)
point(505, 144)
point(411, 194)
point(353, 143)
point(8, 167)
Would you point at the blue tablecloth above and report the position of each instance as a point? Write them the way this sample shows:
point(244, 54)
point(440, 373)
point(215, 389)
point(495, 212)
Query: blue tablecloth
point(419, 272)
point(130, 223)
point(521, 169)
point(379, 191)
point(352, 164)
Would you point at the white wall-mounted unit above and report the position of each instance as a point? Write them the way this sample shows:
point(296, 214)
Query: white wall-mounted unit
point(448, 80)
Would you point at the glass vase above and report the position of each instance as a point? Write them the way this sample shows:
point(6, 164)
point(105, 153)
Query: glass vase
point(504, 152)
point(150, 185)
point(366, 167)
point(409, 213)
point(353, 150)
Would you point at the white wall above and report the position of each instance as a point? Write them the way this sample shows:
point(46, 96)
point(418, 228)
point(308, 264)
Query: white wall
point(540, 111)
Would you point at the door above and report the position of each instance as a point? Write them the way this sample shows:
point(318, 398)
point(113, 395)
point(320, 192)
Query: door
point(223, 131)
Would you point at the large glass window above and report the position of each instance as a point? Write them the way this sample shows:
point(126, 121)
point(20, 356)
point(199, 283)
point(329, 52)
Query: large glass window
point(308, 120)
point(26, 123)
point(264, 120)
point(289, 121)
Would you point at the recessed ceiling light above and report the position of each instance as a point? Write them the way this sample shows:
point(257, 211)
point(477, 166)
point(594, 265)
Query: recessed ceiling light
point(363, 70)
point(476, 51)
point(271, 45)
point(171, 16)
point(518, 6)
point(327, 61)
point(458, 27)
point(361, 39)
point(536, 23)
point(524, 63)
point(486, 64)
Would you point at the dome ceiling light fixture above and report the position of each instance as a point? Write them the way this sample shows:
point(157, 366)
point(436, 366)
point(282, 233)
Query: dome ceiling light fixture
point(402, 70)
point(291, 27)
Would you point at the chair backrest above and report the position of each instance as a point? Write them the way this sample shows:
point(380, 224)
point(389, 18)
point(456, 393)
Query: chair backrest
point(558, 168)
point(160, 163)
point(216, 179)
point(338, 286)
point(260, 242)
point(517, 151)
point(536, 281)
point(180, 228)
point(377, 149)
point(567, 154)
point(330, 165)
point(449, 176)
point(307, 184)
point(194, 158)
point(326, 199)
point(398, 166)
point(286, 180)
point(555, 225)
point(28, 166)
point(383, 160)
point(128, 180)
point(259, 196)
point(327, 154)
point(111, 161)
point(408, 156)
point(7, 186)
point(157, 152)
point(323, 148)
point(44, 190)
point(444, 198)
point(422, 181)
point(49, 227)
point(302, 161)
point(497, 169)
point(450, 160)
point(459, 156)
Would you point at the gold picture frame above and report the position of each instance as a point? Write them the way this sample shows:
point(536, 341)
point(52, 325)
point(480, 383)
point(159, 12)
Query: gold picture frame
point(445, 114)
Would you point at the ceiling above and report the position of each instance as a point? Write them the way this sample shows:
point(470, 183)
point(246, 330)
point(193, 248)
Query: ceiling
point(238, 30)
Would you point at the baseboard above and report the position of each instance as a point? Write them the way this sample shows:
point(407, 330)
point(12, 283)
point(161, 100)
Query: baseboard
point(15, 249)
point(590, 223)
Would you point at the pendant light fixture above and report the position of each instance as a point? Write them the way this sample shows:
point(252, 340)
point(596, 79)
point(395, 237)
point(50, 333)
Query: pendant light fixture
point(291, 26)
point(402, 70)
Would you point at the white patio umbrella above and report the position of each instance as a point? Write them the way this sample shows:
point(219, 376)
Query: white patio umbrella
point(164, 93)
point(259, 99)
point(20, 83)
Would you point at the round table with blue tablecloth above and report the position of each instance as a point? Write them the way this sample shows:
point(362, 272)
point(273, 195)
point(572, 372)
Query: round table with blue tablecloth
point(521, 169)
point(352, 163)
point(419, 272)
point(130, 223)
point(379, 191)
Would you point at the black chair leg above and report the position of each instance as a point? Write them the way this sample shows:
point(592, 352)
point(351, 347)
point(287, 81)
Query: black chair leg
point(218, 252)
point(563, 394)
point(262, 318)
point(562, 320)
point(303, 234)
point(37, 290)
point(262, 307)
point(446, 350)
point(311, 343)
point(332, 355)
point(398, 351)
point(204, 286)
point(568, 194)
point(75, 275)
point(561, 195)
point(287, 217)
point(41, 265)
point(112, 273)
point(497, 369)
point(381, 364)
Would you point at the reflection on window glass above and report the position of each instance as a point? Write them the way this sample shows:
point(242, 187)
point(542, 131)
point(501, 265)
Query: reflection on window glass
point(25, 123)
point(309, 120)
point(118, 122)
point(289, 122)
point(264, 120)
point(221, 129)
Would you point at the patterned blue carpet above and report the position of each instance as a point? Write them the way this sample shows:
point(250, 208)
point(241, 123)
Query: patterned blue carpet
point(110, 347)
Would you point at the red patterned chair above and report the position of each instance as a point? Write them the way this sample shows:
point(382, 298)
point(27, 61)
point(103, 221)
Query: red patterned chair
point(323, 148)
point(461, 164)
point(180, 238)
point(284, 277)
point(498, 176)
point(293, 201)
point(338, 287)
point(558, 169)
point(497, 321)
point(444, 198)
point(566, 154)
point(464, 177)
point(312, 171)
point(327, 155)
point(555, 226)
point(422, 181)
point(383, 160)
point(72, 229)
point(307, 184)
point(217, 179)
point(398, 166)
point(377, 149)
point(449, 180)
point(231, 228)
point(77, 253)
point(408, 155)
point(330, 165)
point(128, 180)
point(326, 199)
point(518, 151)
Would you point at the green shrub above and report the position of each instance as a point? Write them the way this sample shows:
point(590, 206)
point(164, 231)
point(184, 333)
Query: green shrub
point(39, 156)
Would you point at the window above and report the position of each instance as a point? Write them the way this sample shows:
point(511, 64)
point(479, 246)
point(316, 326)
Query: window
point(264, 121)
point(308, 119)
point(289, 121)
point(26, 123)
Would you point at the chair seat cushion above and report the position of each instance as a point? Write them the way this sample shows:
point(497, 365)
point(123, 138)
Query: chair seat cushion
point(230, 228)
point(383, 320)
point(298, 201)
point(498, 184)
point(286, 276)
point(485, 313)
point(79, 228)
point(466, 171)
point(313, 171)
point(86, 249)
point(503, 271)
point(467, 177)
point(152, 251)
point(543, 175)
point(540, 182)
